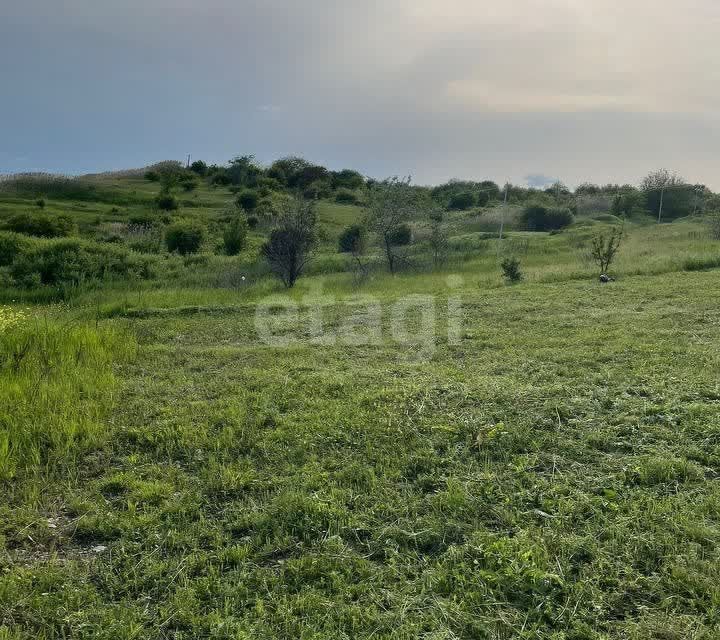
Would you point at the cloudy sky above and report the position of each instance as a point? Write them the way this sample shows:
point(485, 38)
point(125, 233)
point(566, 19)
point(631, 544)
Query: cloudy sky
point(600, 90)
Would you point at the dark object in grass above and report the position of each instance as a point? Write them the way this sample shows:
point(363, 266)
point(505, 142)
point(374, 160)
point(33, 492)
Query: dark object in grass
point(604, 277)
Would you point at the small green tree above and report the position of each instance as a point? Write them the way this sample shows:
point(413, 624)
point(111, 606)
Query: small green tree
point(235, 235)
point(511, 269)
point(604, 248)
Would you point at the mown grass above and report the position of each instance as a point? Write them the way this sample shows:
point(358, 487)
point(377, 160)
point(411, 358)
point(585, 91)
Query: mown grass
point(552, 474)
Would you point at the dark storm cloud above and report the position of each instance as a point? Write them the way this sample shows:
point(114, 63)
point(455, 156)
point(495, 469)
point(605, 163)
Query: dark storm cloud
point(578, 89)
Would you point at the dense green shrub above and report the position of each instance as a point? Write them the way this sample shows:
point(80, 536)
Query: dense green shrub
point(483, 197)
point(537, 217)
point(248, 199)
point(253, 221)
point(188, 182)
point(142, 220)
point(199, 167)
point(71, 260)
point(152, 176)
point(346, 196)
point(41, 225)
point(401, 235)
point(220, 177)
point(166, 202)
point(235, 236)
point(11, 246)
point(351, 239)
point(184, 237)
point(461, 201)
point(511, 269)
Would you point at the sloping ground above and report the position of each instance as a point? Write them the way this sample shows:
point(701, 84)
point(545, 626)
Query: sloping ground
point(553, 475)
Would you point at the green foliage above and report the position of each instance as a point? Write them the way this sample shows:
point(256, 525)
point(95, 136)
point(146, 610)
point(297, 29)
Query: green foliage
point(184, 237)
point(243, 171)
point(668, 196)
point(456, 193)
point(166, 202)
point(11, 246)
point(41, 225)
point(199, 167)
point(604, 248)
point(248, 200)
point(235, 235)
point(538, 217)
point(628, 204)
point(352, 239)
point(347, 179)
point(72, 261)
point(401, 235)
point(188, 182)
point(461, 201)
point(511, 269)
point(219, 177)
point(346, 196)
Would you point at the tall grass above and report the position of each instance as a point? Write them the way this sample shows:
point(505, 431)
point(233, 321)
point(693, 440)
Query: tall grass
point(56, 382)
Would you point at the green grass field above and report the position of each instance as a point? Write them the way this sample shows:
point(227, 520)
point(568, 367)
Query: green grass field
point(530, 461)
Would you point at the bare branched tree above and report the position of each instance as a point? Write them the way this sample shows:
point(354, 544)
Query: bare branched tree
point(393, 203)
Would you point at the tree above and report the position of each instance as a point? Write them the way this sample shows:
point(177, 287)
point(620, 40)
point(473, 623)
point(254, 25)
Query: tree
point(483, 198)
point(199, 168)
point(347, 179)
point(289, 248)
point(511, 269)
point(235, 235)
point(461, 201)
point(243, 171)
point(392, 203)
point(628, 203)
point(438, 239)
point(667, 195)
point(604, 248)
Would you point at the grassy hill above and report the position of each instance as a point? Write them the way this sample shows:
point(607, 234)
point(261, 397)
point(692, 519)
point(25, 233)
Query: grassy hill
point(433, 454)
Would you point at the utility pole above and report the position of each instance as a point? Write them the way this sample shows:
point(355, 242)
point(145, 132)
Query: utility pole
point(188, 161)
point(502, 214)
point(662, 197)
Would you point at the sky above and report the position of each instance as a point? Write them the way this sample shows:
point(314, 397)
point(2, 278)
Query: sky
point(520, 90)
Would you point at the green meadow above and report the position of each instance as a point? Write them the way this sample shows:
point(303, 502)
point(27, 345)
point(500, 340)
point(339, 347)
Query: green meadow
point(478, 460)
